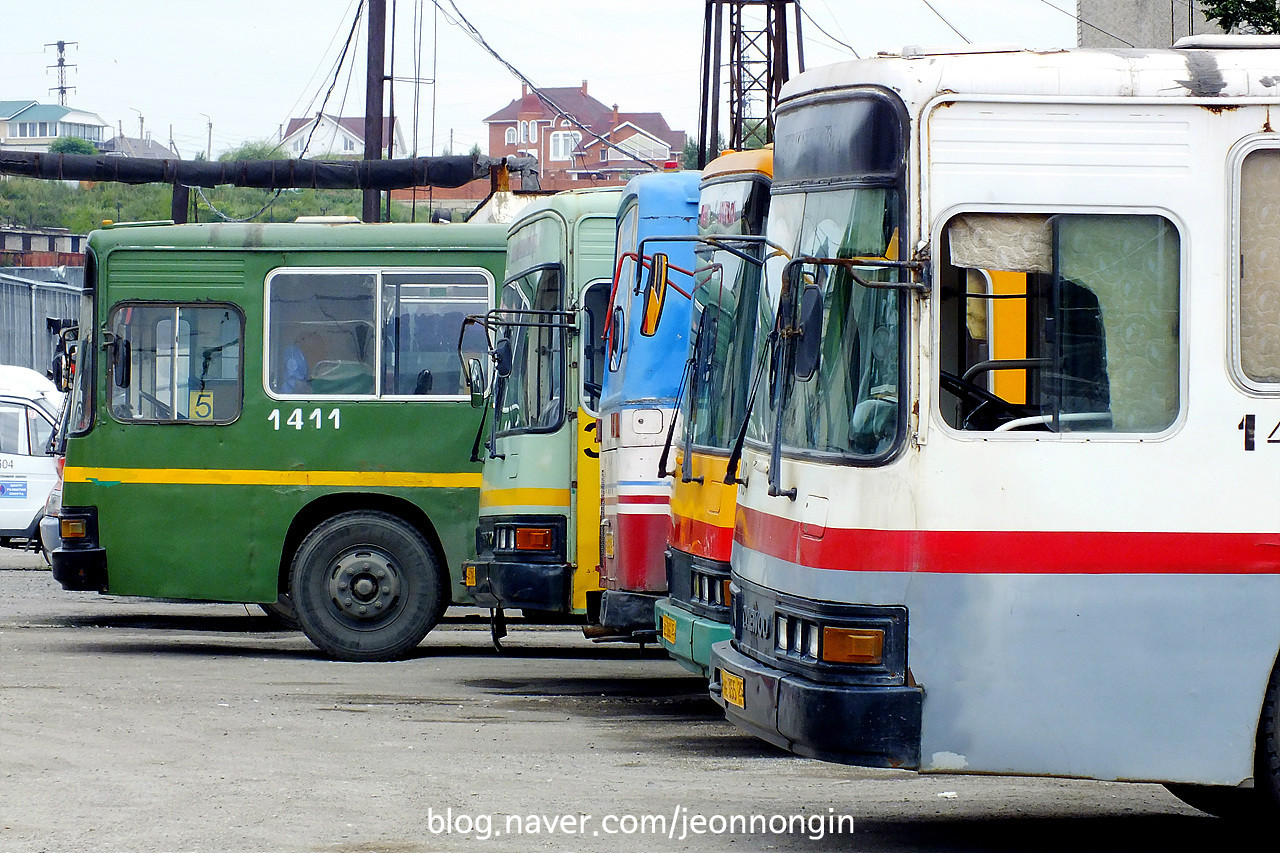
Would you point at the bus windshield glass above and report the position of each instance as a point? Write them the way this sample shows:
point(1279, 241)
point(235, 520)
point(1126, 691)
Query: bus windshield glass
point(840, 202)
point(80, 402)
point(724, 310)
point(532, 398)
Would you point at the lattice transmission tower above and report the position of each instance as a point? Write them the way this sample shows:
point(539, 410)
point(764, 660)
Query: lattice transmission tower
point(761, 38)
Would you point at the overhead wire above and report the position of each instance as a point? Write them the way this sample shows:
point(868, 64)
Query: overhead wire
point(467, 27)
point(822, 30)
point(1081, 20)
point(944, 20)
point(337, 71)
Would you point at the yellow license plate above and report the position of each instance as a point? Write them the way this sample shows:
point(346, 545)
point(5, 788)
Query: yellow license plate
point(669, 629)
point(733, 689)
point(469, 576)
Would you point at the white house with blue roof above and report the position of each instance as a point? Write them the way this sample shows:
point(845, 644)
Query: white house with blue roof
point(32, 126)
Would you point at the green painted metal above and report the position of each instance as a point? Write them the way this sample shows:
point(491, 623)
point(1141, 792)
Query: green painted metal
point(231, 542)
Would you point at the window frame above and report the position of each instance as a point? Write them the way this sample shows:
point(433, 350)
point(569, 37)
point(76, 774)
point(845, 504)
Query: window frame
point(109, 373)
point(378, 271)
point(1235, 164)
point(1080, 436)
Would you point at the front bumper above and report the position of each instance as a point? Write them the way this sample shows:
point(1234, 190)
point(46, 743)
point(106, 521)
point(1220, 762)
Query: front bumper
point(687, 637)
point(80, 569)
point(866, 725)
point(533, 586)
point(627, 613)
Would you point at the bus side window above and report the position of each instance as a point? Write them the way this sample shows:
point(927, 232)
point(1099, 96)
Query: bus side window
point(183, 366)
point(423, 313)
point(595, 305)
point(1066, 323)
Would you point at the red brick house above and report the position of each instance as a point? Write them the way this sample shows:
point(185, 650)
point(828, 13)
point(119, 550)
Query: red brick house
point(566, 151)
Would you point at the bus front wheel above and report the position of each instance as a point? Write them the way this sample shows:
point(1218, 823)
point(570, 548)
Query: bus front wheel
point(1261, 803)
point(366, 586)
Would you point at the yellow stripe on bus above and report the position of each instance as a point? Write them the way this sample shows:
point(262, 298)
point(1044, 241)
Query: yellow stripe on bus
point(243, 477)
point(525, 497)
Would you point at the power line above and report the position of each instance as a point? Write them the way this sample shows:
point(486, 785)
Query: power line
point(944, 20)
point(475, 36)
point(843, 44)
point(1081, 20)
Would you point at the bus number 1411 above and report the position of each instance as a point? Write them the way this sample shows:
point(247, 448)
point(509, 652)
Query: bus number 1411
point(297, 420)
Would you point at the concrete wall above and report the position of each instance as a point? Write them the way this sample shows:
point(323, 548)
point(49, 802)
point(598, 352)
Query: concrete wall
point(1139, 23)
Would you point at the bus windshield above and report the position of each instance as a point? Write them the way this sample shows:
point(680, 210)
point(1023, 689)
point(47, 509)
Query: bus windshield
point(839, 203)
point(724, 311)
point(531, 398)
point(79, 408)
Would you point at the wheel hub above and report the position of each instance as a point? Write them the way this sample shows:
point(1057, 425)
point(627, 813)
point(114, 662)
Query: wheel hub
point(364, 584)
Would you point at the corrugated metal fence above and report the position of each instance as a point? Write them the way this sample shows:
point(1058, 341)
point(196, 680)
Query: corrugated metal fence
point(29, 298)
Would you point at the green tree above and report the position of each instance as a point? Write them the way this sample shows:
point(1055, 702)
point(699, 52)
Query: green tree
point(1257, 16)
point(72, 145)
point(689, 155)
point(475, 150)
point(255, 149)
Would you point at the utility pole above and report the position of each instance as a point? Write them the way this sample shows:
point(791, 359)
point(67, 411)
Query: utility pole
point(62, 88)
point(208, 151)
point(375, 82)
point(759, 63)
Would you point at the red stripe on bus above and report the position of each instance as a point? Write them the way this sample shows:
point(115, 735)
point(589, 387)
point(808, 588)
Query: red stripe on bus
point(644, 499)
point(701, 539)
point(1008, 551)
point(640, 565)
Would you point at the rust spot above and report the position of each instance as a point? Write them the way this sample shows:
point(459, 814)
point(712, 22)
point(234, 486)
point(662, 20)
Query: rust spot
point(1266, 125)
point(1219, 110)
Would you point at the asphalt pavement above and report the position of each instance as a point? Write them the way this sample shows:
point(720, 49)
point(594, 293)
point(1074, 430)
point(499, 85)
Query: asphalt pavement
point(142, 725)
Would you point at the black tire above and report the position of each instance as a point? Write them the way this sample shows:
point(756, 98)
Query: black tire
point(366, 586)
point(282, 613)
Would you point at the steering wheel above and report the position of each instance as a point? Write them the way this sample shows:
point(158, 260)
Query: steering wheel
point(985, 411)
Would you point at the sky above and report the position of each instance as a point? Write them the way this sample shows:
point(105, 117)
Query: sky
point(247, 66)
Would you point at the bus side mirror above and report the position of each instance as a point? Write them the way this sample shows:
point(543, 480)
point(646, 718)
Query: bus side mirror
point(475, 382)
point(809, 339)
point(121, 362)
point(502, 357)
point(655, 294)
point(62, 372)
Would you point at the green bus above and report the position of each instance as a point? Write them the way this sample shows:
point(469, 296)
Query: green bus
point(276, 414)
point(538, 538)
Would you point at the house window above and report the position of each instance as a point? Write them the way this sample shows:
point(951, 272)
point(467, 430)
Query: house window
point(44, 128)
point(604, 154)
point(563, 143)
point(349, 144)
point(533, 131)
point(524, 131)
point(511, 136)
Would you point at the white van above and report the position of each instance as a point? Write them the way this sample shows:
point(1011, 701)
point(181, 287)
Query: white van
point(29, 408)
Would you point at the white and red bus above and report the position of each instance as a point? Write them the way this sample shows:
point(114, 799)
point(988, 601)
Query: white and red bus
point(1010, 497)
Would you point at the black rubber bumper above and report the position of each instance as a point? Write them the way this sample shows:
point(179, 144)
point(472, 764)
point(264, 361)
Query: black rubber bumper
point(80, 569)
point(628, 612)
point(535, 586)
point(864, 725)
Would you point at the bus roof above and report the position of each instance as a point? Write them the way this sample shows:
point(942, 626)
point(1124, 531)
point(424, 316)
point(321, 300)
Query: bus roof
point(665, 193)
point(918, 74)
point(293, 235)
point(572, 204)
point(759, 161)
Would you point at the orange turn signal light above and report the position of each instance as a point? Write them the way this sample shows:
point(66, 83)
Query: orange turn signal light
point(852, 645)
point(533, 539)
point(72, 528)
